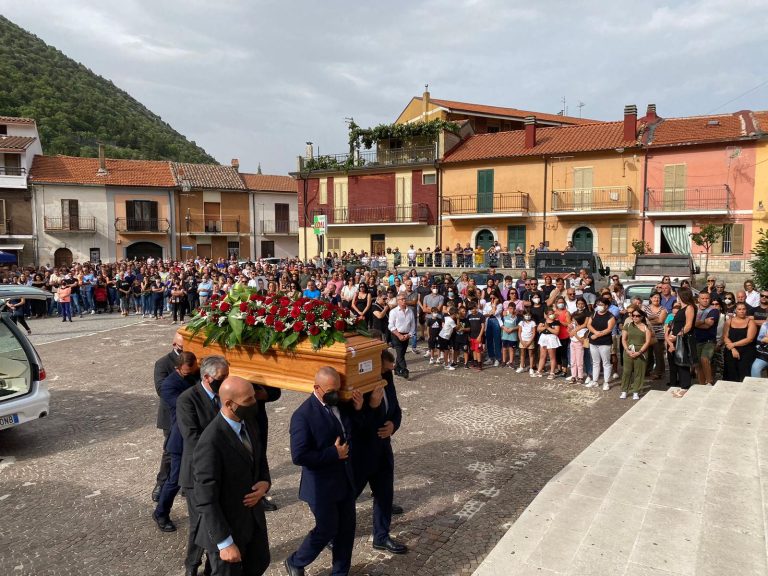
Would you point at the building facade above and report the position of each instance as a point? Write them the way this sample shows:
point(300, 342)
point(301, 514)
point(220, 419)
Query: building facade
point(19, 143)
point(274, 215)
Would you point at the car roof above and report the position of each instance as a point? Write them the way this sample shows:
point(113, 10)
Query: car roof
point(10, 291)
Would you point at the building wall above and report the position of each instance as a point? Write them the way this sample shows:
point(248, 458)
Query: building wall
point(263, 202)
point(117, 198)
point(359, 238)
point(760, 200)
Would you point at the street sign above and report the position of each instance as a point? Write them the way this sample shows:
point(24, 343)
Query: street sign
point(185, 248)
point(320, 225)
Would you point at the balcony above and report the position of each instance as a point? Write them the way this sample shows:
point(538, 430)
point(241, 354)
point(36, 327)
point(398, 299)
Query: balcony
point(381, 215)
point(508, 205)
point(383, 157)
point(142, 226)
point(13, 177)
point(703, 200)
point(13, 171)
point(85, 224)
point(5, 227)
point(201, 225)
point(603, 200)
point(279, 227)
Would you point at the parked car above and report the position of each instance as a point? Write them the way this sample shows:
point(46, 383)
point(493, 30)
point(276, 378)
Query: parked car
point(562, 264)
point(652, 267)
point(24, 393)
point(643, 288)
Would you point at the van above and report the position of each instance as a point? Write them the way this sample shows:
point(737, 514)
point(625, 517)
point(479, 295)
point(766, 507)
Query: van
point(560, 264)
point(653, 267)
point(24, 393)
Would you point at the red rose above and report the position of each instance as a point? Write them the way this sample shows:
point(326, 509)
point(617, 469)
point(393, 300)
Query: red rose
point(345, 312)
point(309, 305)
point(284, 301)
point(259, 298)
point(298, 326)
point(283, 311)
point(295, 312)
point(268, 300)
point(270, 320)
point(202, 312)
point(250, 320)
point(279, 326)
point(300, 301)
point(340, 325)
point(243, 306)
point(260, 312)
point(326, 314)
point(215, 318)
point(273, 310)
point(310, 317)
point(253, 297)
point(314, 330)
point(225, 306)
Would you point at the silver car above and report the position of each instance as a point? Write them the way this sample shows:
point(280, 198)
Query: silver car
point(24, 393)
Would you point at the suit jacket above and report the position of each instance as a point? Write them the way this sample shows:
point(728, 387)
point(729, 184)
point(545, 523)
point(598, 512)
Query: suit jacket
point(170, 390)
point(224, 473)
point(313, 437)
point(367, 450)
point(163, 367)
point(194, 412)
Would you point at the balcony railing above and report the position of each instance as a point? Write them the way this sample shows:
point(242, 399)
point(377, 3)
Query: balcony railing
point(699, 199)
point(5, 227)
point(12, 171)
point(372, 158)
point(70, 224)
point(509, 203)
point(201, 225)
point(404, 214)
point(603, 199)
point(145, 225)
point(280, 227)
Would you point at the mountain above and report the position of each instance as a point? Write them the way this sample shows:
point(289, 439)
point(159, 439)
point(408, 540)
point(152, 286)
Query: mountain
point(74, 108)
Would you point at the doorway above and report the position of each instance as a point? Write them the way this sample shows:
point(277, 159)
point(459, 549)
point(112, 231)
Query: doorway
point(267, 248)
point(484, 238)
point(378, 244)
point(143, 250)
point(62, 257)
point(582, 239)
point(674, 240)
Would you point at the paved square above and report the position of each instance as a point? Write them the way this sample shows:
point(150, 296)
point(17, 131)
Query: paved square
point(473, 451)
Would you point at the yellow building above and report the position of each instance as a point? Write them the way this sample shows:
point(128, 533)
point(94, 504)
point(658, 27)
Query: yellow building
point(760, 210)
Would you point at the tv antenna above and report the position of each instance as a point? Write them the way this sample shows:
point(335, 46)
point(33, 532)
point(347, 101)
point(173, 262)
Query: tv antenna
point(580, 105)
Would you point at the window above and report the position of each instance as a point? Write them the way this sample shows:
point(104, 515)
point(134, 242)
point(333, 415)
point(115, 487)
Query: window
point(233, 250)
point(96, 255)
point(334, 244)
point(674, 187)
point(141, 215)
point(732, 240)
point(70, 212)
point(428, 178)
point(493, 129)
point(3, 220)
point(582, 188)
point(619, 239)
point(515, 237)
point(340, 201)
point(323, 194)
point(16, 374)
point(212, 215)
point(403, 198)
point(3, 129)
point(484, 191)
point(281, 218)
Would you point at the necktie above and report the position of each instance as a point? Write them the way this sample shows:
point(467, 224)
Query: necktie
point(337, 423)
point(386, 403)
point(216, 402)
point(245, 439)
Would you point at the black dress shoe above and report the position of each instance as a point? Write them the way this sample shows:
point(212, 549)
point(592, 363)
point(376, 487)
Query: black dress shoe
point(164, 524)
point(269, 505)
point(397, 510)
point(292, 570)
point(391, 546)
point(156, 493)
point(191, 571)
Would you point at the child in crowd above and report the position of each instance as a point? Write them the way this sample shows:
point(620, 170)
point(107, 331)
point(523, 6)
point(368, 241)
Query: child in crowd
point(446, 337)
point(435, 324)
point(461, 339)
point(548, 343)
point(509, 337)
point(526, 334)
point(476, 332)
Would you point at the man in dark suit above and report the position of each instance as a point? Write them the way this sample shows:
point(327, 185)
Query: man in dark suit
point(163, 367)
point(320, 430)
point(372, 458)
point(195, 410)
point(182, 378)
point(231, 478)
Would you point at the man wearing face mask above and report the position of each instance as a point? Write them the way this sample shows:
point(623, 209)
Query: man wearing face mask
point(182, 378)
point(163, 367)
point(431, 300)
point(320, 430)
point(195, 410)
point(231, 479)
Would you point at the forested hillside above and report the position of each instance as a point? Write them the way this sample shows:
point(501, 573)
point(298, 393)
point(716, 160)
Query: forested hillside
point(75, 108)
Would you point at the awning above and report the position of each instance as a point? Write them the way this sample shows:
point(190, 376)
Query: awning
point(11, 246)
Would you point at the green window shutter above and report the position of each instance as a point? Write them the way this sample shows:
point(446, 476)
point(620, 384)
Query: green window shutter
point(515, 237)
point(484, 191)
point(737, 239)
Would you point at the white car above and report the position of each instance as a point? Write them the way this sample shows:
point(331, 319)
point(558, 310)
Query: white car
point(24, 393)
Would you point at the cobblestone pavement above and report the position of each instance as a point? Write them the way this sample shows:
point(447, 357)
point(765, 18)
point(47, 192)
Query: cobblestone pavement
point(473, 451)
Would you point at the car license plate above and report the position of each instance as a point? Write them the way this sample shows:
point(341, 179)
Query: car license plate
point(8, 421)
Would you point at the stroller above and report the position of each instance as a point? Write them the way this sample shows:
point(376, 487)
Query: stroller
point(100, 297)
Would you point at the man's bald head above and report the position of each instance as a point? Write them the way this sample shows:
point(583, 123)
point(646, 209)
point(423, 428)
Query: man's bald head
point(327, 378)
point(178, 342)
point(235, 391)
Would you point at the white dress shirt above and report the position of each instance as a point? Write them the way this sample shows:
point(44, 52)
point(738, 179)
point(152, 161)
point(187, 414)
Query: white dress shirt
point(402, 321)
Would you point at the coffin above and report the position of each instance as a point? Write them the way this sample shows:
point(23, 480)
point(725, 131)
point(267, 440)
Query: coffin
point(358, 362)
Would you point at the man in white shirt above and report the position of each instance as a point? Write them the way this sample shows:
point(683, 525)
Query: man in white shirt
point(402, 326)
point(753, 296)
point(411, 257)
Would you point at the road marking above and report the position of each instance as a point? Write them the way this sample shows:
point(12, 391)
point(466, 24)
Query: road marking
point(4, 496)
point(94, 494)
point(91, 333)
point(134, 458)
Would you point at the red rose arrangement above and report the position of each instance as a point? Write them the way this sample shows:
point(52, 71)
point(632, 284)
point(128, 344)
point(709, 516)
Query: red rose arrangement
point(244, 317)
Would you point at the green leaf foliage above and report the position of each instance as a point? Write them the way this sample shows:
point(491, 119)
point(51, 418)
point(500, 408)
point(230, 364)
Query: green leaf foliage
point(759, 262)
point(75, 108)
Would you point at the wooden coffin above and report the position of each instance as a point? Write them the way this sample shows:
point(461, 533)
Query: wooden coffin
point(358, 362)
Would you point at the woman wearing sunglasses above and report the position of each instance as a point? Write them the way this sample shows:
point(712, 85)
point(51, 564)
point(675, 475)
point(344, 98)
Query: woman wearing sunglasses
point(637, 338)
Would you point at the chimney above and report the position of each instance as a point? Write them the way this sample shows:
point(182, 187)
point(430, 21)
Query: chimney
point(309, 152)
point(102, 161)
point(530, 131)
point(630, 123)
point(236, 164)
point(425, 102)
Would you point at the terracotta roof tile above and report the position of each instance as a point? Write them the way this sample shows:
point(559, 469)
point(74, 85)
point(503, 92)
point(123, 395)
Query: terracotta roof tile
point(269, 182)
point(511, 112)
point(697, 129)
point(554, 140)
point(75, 170)
point(16, 142)
point(15, 120)
point(208, 176)
point(761, 116)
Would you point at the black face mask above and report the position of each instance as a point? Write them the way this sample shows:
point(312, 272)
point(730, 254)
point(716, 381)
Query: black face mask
point(215, 385)
point(243, 412)
point(331, 398)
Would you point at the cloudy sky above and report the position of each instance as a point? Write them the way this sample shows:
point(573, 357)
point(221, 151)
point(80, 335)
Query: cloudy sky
point(255, 79)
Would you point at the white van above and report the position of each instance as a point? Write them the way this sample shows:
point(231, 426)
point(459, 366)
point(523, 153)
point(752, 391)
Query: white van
point(24, 393)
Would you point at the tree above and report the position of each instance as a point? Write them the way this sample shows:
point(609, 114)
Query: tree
point(641, 247)
point(759, 262)
point(706, 237)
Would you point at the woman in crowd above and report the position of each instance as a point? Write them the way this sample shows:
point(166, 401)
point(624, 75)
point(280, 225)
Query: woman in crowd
point(655, 315)
point(549, 342)
point(492, 311)
point(579, 337)
point(178, 300)
point(348, 293)
point(293, 291)
point(600, 327)
point(637, 339)
point(739, 341)
point(509, 336)
point(761, 359)
point(729, 300)
point(462, 284)
point(158, 293)
point(380, 316)
point(361, 305)
point(564, 318)
point(681, 327)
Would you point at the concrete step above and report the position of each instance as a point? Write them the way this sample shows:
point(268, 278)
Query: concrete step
point(675, 486)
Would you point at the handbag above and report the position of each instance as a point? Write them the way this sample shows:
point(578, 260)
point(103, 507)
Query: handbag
point(762, 351)
point(686, 354)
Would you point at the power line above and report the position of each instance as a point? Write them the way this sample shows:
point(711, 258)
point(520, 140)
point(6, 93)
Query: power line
point(739, 96)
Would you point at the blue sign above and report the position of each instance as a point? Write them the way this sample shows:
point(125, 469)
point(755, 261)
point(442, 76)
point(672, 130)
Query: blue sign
point(187, 247)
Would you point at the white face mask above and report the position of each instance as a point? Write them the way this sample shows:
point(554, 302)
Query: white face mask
point(434, 290)
point(727, 300)
point(536, 300)
point(600, 308)
point(561, 305)
point(527, 317)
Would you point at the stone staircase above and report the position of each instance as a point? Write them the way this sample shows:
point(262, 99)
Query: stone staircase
point(676, 486)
